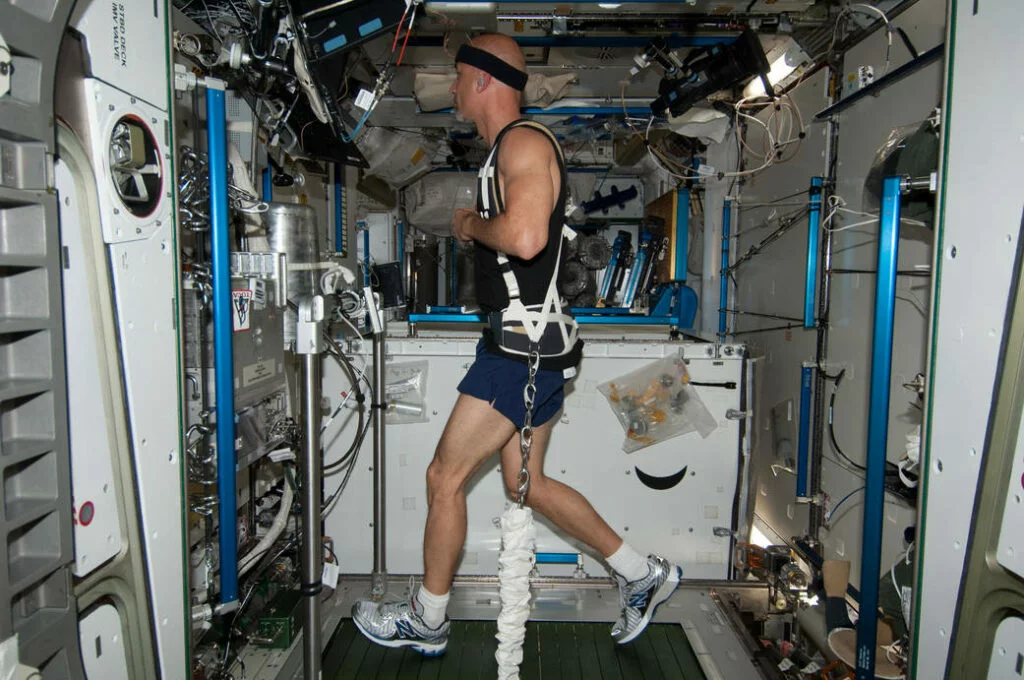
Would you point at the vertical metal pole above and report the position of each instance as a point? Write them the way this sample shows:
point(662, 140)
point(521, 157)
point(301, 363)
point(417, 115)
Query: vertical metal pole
point(453, 267)
point(723, 298)
point(878, 426)
point(682, 235)
point(268, 186)
point(312, 548)
point(366, 254)
point(379, 577)
point(803, 455)
point(816, 513)
point(339, 209)
point(400, 251)
point(813, 232)
point(220, 241)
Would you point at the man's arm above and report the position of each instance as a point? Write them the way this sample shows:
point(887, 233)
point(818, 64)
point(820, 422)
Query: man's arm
point(524, 169)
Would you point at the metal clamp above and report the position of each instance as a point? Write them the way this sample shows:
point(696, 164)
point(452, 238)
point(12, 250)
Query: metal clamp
point(308, 335)
point(266, 267)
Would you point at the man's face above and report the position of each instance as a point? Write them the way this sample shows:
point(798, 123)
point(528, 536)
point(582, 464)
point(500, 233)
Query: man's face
point(462, 90)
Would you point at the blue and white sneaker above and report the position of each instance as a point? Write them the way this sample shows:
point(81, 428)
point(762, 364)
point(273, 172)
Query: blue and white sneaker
point(640, 598)
point(397, 624)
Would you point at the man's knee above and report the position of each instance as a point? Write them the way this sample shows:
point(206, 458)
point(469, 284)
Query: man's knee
point(443, 479)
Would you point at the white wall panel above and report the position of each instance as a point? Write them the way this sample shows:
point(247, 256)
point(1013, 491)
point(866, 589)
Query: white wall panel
point(585, 452)
point(981, 222)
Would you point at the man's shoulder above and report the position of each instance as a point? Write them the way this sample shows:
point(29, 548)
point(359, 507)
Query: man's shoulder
point(529, 145)
point(527, 136)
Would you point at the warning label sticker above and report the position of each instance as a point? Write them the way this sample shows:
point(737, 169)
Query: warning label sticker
point(241, 310)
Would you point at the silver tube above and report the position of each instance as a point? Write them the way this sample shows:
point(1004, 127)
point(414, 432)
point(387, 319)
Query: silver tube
point(379, 578)
point(312, 550)
point(292, 230)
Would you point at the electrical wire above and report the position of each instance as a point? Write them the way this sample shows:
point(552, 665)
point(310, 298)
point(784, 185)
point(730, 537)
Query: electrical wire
point(362, 426)
point(865, 8)
point(408, 32)
point(783, 118)
point(248, 598)
point(837, 204)
point(328, 505)
point(352, 326)
point(849, 462)
point(830, 513)
point(831, 427)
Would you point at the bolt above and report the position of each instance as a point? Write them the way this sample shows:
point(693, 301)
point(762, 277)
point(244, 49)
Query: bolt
point(138, 230)
point(110, 107)
point(133, 100)
point(116, 211)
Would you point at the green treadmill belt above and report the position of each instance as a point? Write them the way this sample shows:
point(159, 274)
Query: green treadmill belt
point(552, 651)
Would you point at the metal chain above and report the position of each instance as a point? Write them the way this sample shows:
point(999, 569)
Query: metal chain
point(526, 434)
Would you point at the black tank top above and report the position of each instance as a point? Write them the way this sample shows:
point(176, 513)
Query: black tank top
point(533, 275)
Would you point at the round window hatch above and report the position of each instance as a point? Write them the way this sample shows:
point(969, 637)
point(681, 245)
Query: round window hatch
point(135, 166)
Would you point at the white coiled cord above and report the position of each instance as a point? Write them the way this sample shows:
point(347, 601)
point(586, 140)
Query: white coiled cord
point(516, 561)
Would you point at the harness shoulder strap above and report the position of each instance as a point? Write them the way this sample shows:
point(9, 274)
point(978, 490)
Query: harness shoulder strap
point(492, 159)
point(489, 180)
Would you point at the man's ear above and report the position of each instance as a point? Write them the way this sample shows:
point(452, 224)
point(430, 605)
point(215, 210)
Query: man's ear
point(482, 81)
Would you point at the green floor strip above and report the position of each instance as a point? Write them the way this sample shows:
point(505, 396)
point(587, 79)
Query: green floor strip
point(552, 651)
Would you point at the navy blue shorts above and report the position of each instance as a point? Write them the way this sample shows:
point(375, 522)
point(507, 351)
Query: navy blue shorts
point(501, 381)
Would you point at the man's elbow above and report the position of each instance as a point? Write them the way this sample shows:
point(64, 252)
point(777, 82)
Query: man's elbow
point(531, 245)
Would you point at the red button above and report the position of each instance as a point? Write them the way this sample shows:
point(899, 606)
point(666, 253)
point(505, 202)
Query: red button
point(86, 514)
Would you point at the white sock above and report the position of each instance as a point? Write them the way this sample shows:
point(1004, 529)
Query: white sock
point(431, 607)
point(630, 564)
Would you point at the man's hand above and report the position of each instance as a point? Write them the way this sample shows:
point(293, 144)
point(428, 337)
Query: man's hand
point(463, 223)
point(525, 179)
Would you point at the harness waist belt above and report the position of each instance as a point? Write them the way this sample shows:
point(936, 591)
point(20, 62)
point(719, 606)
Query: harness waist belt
point(512, 337)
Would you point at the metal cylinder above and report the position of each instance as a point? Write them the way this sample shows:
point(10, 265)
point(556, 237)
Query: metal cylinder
point(292, 230)
point(312, 549)
point(378, 584)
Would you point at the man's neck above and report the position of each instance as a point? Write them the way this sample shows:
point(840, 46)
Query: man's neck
point(496, 121)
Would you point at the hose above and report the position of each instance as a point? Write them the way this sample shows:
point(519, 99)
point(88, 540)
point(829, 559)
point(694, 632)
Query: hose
point(273, 533)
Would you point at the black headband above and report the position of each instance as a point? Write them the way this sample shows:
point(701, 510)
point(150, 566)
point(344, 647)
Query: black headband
point(488, 63)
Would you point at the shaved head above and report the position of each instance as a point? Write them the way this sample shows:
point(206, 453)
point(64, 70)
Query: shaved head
point(501, 46)
point(483, 94)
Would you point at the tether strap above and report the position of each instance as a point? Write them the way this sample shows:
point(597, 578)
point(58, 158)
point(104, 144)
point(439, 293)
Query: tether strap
point(488, 63)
